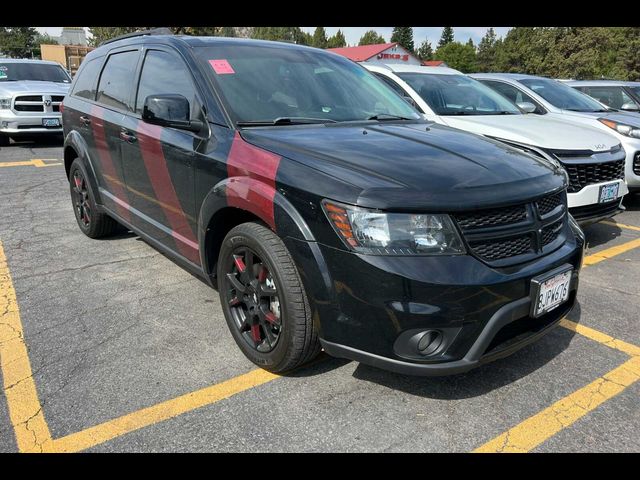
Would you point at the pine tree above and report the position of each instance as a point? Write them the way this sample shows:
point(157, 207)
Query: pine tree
point(319, 38)
point(371, 38)
point(337, 40)
point(447, 36)
point(404, 36)
point(425, 52)
point(487, 51)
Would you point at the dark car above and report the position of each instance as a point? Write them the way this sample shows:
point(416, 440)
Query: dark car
point(319, 204)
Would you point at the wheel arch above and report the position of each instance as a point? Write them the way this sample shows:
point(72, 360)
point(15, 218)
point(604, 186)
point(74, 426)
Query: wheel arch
point(76, 147)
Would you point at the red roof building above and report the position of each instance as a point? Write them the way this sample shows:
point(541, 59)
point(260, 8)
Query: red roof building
point(434, 63)
point(379, 53)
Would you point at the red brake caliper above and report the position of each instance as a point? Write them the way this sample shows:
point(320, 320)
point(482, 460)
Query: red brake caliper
point(255, 333)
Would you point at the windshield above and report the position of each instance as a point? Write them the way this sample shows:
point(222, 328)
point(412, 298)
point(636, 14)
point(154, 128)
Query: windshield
point(13, 72)
point(635, 90)
point(458, 95)
point(562, 96)
point(264, 83)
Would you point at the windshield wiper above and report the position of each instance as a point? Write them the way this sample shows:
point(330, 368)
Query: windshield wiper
point(388, 116)
point(285, 121)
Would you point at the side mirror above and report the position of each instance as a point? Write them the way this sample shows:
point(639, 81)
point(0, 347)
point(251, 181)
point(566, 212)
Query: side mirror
point(169, 110)
point(527, 107)
point(629, 106)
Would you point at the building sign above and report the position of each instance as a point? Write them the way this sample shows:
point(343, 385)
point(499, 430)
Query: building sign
point(393, 56)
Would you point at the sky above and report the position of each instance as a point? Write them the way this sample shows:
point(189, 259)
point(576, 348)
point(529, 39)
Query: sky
point(353, 34)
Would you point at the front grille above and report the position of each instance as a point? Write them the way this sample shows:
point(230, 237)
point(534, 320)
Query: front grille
point(29, 98)
point(29, 108)
point(583, 174)
point(57, 98)
point(636, 163)
point(503, 248)
point(492, 217)
point(598, 210)
point(516, 233)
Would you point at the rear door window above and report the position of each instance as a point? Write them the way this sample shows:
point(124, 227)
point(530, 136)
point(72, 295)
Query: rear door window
point(115, 87)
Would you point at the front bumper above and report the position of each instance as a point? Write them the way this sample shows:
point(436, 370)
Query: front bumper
point(27, 124)
point(584, 206)
point(376, 303)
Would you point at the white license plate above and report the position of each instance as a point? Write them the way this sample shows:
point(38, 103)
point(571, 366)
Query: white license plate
point(609, 192)
point(550, 292)
point(50, 122)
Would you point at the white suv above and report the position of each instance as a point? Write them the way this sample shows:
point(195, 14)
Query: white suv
point(31, 92)
point(593, 159)
point(555, 99)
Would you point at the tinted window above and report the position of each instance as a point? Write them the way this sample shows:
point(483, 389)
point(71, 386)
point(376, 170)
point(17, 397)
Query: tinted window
point(164, 73)
point(392, 83)
point(116, 80)
point(263, 82)
point(513, 94)
point(13, 72)
point(613, 97)
point(85, 85)
point(458, 95)
point(562, 96)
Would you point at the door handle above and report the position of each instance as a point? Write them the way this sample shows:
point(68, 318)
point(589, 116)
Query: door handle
point(127, 136)
point(85, 120)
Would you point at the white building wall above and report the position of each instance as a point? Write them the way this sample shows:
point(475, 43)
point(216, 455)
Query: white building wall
point(397, 54)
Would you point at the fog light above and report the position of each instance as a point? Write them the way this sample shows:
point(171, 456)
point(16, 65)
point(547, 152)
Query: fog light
point(430, 342)
point(4, 124)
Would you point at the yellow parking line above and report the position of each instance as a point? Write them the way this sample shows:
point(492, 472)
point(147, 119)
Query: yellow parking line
point(542, 426)
point(36, 162)
point(600, 337)
point(621, 225)
point(25, 411)
point(610, 252)
point(162, 411)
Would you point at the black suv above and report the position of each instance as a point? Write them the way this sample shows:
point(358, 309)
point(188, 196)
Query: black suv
point(319, 204)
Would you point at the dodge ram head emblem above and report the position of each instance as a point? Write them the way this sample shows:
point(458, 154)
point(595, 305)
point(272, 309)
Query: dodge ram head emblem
point(47, 102)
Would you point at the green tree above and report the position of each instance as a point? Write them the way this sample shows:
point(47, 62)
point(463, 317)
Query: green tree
point(487, 51)
point(18, 42)
point(337, 40)
point(371, 37)
point(425, 52)
point(446, 37)
point(404, 36)
point(282, 34)
point(459, 56)
point(470, 43)
point(228, 32)
point(319, 39)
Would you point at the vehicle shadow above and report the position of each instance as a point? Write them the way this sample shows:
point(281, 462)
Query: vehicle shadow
point(601, 233)
point(48, 141)
point(481, 380)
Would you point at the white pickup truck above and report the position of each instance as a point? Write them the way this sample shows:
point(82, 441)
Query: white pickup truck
point(31, 92)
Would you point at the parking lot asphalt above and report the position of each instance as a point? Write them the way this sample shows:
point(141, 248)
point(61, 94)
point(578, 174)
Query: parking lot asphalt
point(107, 345)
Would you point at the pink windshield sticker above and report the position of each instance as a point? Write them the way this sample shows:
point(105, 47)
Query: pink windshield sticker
point(221, 67)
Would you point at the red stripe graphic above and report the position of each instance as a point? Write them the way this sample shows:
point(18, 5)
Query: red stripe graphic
point(252, 179)
point(108, 167)
point(149, 138)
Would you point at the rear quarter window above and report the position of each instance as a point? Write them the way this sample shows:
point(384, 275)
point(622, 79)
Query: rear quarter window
point(85, 85)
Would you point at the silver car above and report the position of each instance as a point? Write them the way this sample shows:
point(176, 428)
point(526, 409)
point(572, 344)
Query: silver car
point(31, 92)
point(616, 94)
point(558, 100)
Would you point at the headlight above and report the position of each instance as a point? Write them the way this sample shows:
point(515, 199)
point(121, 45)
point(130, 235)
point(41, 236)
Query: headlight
point(5, 103)
point(379, 233)
point(621, 128)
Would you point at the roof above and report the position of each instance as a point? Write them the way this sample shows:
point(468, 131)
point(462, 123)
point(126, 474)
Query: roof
point(602, 83)
point(433, 63)
point(505, 76)
point(364, 52)
point(27, 60)
point(397, 67)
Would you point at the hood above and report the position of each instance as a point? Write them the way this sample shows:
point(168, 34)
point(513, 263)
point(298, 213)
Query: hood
point(29, 86)
point(414, 166)
point(536, 130)
point(630, 118)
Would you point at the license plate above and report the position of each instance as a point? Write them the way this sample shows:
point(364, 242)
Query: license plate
point(549, 292)
point(609, 192)
point(50, 122)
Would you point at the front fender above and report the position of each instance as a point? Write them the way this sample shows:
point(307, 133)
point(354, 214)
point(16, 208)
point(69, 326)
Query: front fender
point(75, 141)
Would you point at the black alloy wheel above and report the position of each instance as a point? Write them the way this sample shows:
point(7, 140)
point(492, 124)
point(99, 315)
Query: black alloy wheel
point(81, 199)
point(253, 300)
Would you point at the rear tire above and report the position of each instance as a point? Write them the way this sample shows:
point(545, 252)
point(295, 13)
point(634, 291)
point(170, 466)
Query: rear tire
point(286, 340)
point(92, 222)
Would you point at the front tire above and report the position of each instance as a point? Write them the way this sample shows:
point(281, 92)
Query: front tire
point(92, 222)
point(263, 299)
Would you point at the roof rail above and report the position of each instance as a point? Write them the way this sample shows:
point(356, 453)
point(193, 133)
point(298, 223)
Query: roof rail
point(154, 31)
